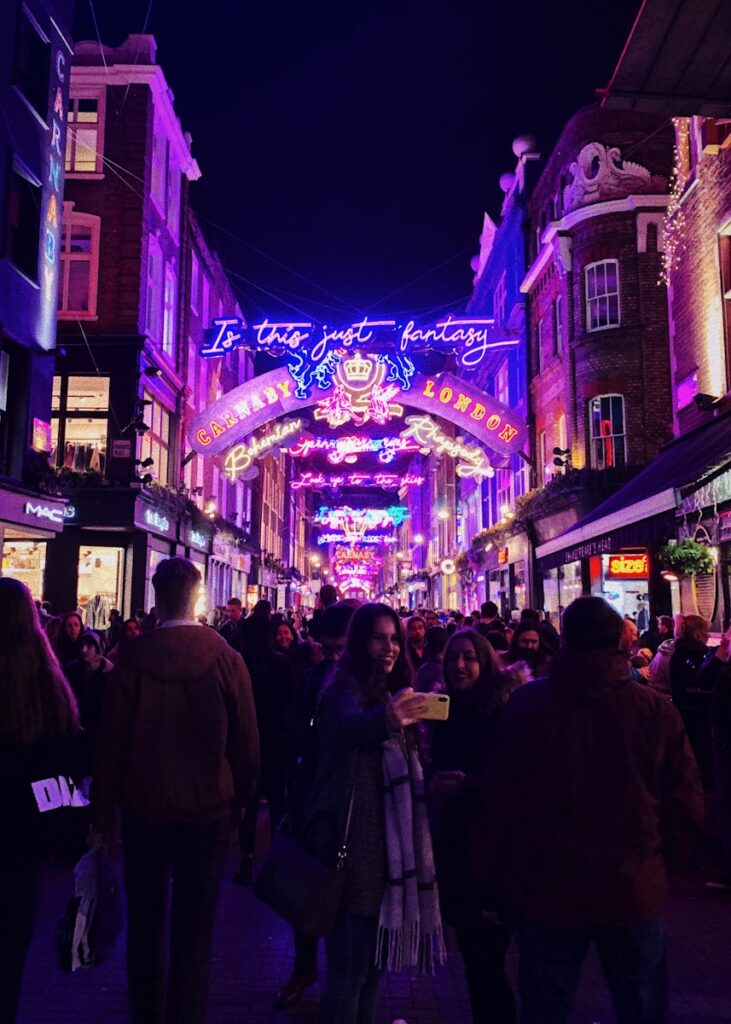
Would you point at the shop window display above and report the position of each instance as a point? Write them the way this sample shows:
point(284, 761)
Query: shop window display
point(80, 423)
point(100, 584)
point(25, 560)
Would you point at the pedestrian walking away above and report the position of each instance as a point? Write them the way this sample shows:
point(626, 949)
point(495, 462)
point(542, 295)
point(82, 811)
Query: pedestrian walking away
point(178, 753)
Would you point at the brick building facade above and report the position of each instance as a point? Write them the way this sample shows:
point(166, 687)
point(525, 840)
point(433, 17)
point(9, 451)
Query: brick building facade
point(139, 285)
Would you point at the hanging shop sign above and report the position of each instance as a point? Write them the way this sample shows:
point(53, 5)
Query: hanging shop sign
point(271, 396)
point(41, 436)
point(347, 449)
point(632, 565)
point(313, 351)
point(53, 199)
point(503, 556)
point(471, 461)
point(448, 566)
point(241, 456)
point(333, 481)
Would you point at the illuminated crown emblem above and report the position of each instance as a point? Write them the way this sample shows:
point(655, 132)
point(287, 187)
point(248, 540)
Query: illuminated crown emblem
point(357, 370)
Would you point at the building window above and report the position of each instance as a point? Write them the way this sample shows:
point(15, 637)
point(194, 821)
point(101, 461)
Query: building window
point(502, 383)
point(173, 200)
point(155, 444)
point(544, 469)
point(558, 326)
point(80, 423)
point(206, 302)
point(85, 138)
point(724, 260)
point(539, 345)
point(77, 292)
point(159, 179)
point(32, 64)
point(602, 295)
point(194, 278)
point(499, 301)
point(606, 420)
point(23, 222)
point(168, 314)
point(154, 290)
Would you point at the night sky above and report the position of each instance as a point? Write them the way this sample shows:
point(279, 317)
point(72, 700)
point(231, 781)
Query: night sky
point(358, 143)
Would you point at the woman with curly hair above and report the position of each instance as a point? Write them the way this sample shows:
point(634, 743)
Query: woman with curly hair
point(38, 719)
point(368, 764)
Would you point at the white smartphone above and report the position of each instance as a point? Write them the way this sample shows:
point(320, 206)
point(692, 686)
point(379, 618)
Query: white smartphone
point(437, 707)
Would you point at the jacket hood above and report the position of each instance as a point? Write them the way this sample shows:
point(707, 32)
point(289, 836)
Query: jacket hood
point(174, 655)
point(590, 673)
point(667, 646)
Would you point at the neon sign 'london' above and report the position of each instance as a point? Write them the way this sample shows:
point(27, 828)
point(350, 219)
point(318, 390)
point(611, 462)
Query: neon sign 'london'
point(312, 350)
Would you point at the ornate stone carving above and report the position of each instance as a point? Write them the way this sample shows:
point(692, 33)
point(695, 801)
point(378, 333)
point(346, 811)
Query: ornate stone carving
point(599, 173)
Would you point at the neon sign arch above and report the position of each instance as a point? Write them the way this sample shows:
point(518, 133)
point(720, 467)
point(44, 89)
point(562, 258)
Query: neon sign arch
point(259, 401)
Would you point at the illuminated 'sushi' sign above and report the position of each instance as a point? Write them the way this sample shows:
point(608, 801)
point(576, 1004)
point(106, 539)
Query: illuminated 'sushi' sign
point(313, 351)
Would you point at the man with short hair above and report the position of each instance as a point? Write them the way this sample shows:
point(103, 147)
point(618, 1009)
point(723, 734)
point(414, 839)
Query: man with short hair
point(327, 598)
point(430, 618)
point(178, 753)
point(593, 795)
point(416, 641)
point(232, 630)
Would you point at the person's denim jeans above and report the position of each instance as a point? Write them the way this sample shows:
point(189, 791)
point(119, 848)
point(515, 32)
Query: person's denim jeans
point(193, 856)
point(351, 984)
point(633, 959)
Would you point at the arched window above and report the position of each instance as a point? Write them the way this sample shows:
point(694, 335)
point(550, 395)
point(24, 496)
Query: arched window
point(602, 295)
point(79, 279)
point(607, 430)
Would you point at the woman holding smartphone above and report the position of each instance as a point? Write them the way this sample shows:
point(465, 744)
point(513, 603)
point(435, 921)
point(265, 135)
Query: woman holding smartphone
point(368, 765)
point(478, 690)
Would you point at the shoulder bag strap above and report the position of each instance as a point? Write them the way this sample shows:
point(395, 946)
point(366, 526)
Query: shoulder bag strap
point(343, 851)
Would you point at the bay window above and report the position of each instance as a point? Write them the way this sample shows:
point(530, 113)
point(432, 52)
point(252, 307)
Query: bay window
point(607, 429)
point(77, 290)
point(602, 295)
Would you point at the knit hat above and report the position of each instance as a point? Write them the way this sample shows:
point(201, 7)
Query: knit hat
point(90, 637)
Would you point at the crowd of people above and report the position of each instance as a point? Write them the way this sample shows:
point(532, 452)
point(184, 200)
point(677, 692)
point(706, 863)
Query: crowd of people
point(548, 806)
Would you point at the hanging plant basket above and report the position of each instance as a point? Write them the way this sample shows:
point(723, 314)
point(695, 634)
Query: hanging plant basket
point(688, 558)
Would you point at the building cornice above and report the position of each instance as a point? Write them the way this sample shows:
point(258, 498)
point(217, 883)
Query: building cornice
point(97, 77)
point(554, 241)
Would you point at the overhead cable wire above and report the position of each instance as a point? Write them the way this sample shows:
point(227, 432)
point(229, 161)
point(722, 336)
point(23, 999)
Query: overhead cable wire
point(427, 273)
point(137, 55)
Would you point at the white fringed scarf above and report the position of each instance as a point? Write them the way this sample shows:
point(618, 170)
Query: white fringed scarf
point(410, 923)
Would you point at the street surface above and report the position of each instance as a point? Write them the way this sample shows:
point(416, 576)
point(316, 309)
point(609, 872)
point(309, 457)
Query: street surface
point(252, 957)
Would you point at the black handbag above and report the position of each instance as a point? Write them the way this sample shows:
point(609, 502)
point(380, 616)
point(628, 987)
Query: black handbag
point(298, 886)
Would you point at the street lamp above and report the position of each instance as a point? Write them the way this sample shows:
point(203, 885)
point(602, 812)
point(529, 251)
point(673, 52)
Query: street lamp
point(418, 539)
point(442, 514)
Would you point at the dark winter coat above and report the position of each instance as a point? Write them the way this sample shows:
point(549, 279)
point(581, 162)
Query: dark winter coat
point(462, 743)
point(350, 761)
point(89, 689)
point(592, 793)
point(178, 740)
point(692, 694)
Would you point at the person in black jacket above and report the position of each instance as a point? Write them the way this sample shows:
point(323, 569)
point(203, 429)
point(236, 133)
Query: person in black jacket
point(303, 761)
point(715, 675)
point(38, 722)
point(460, 747)
point(232, 630)
point(272, 682)
point(692, 693)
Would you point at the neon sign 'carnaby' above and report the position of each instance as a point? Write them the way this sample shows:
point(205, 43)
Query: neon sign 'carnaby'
point(473, 462)
point(347, 449)
point(314, 351)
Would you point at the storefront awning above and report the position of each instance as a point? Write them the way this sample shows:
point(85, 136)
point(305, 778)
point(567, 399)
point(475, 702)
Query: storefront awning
point(655, 492)
point(677, 60)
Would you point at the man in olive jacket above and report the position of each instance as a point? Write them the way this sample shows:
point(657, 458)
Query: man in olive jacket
point(178, 753)
point(593, 795)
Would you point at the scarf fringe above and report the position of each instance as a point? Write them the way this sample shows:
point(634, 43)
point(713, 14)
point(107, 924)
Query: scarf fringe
point(423, 952)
